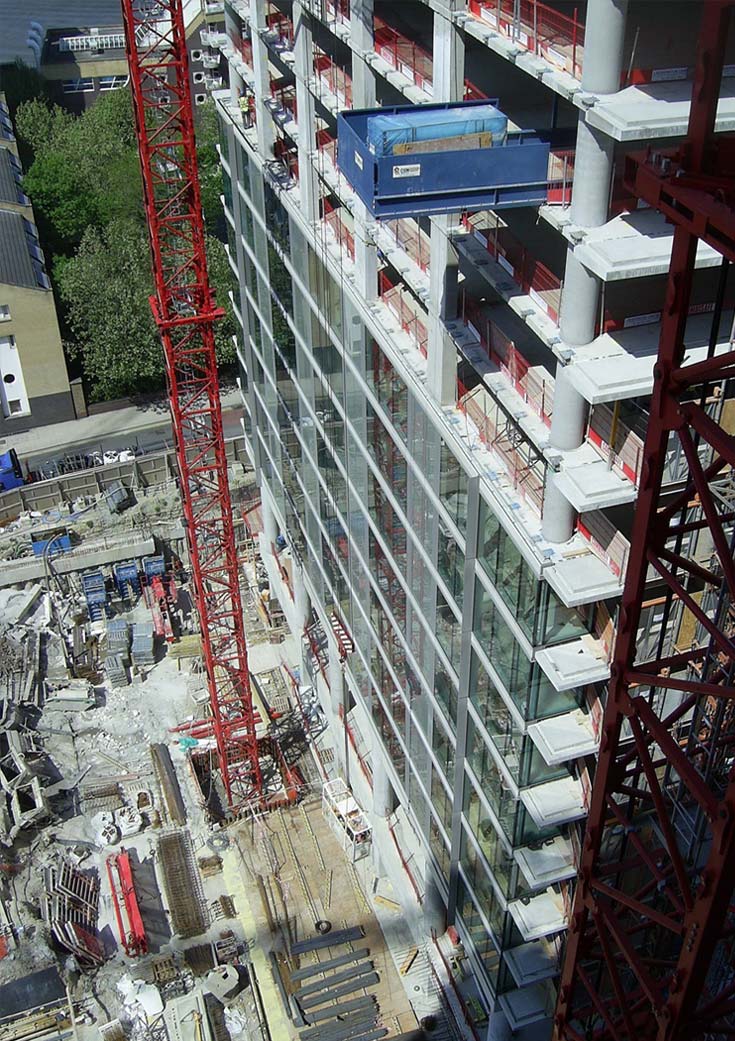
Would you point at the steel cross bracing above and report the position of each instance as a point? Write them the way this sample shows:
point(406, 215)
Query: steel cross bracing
point(185, 313)
point(652, 931)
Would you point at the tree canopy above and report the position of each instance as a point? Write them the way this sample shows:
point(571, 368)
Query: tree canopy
point(85, 184)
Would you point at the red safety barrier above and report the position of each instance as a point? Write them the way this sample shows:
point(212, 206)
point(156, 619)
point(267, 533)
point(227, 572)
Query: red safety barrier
point(411, 324)
point(542, 30)
point(333, 219)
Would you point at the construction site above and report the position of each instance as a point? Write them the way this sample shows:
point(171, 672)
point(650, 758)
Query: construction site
point(407, 714)
point(133, 902)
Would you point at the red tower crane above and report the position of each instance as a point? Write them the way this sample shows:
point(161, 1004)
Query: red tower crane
point(651, 946)
point(185, 313)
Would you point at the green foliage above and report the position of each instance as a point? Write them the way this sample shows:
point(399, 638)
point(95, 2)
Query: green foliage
point(64, 208)
point(84, 181)
point(210, 173)
point(85, 169)
point(221, 279)
point(104, 288)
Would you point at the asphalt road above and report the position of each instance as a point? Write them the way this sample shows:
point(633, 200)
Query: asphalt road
point(156, 438)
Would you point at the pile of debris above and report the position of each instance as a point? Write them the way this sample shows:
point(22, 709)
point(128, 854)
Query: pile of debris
point(70, 907)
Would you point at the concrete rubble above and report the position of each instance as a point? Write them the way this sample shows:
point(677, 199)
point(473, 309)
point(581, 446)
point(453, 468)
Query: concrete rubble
point(119, 869)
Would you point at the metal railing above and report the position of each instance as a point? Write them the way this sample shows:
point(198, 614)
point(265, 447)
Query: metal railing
point(540, 29)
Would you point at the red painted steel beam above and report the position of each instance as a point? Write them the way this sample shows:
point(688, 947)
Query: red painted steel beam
point(650, 911)
point(185, 313)
point(132, 934)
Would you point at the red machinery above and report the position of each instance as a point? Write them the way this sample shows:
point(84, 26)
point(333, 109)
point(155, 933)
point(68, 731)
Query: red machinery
point(130, 926)
point(650, 950)
point(160, 595)
point(185, 312)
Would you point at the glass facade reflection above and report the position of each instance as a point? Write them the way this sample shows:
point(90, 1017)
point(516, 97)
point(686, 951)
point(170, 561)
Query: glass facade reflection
point(398, 535)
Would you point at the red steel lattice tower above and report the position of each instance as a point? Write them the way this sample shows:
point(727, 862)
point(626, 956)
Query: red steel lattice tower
point(185, 313)
point(651, 945)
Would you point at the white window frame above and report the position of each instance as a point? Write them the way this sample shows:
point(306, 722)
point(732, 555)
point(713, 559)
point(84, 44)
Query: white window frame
point(78, 86)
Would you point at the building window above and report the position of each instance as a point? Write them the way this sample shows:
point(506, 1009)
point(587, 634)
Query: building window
point(4, 312)
point(79, 86)
point(112, 82)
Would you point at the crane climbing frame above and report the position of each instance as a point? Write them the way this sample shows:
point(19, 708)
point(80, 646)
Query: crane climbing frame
point(651, 936)
point(185, 313)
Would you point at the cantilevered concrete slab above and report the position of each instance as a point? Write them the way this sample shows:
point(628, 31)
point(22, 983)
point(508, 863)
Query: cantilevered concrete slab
point(545, 863)
point(556, 802)
point(539, 916)
point(619, 365)
point(532, 962)
point(564, 737)
point(587, 482)
point(652, 110)
point(631, 245)
point(574, 664)
point(583, 579)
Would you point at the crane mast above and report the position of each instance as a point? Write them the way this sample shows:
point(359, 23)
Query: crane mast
point(185, 313)
point(651, 938)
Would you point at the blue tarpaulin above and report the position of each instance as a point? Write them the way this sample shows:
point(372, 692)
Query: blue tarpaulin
point(384, 132)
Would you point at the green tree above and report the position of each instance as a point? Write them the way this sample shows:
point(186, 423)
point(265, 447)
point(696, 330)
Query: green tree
point(85, 169)
point(222, 280)
point(210, 173)
point(85, 184)
point(105, 288)
point(63, 205)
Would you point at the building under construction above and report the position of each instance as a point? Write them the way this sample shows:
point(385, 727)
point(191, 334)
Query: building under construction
point(447, 409)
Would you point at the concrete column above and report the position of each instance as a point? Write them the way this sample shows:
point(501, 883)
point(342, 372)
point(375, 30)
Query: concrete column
point(366, 253)
point(570, 413)
point(382, 790)
point(304, 57)
point(443, 279)
point(301, 597)
point(448, 59)
point(265, 129)
point(270, 524)
point(593, 166)
point(435, 913)
point(362, 39)
point(442, 354)
point(557, 523)
point(604, 37)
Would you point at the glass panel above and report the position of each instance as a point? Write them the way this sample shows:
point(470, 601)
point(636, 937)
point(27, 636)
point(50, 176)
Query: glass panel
point(478, 934)
point(477, 876)
point(453, 488)
point(445, 691)
point(500, 863)
point(276, 217)
point(494, 785)
point(560, 623)
point(448, 631)
point(450, 564)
